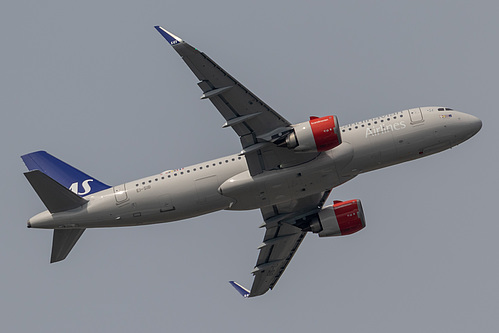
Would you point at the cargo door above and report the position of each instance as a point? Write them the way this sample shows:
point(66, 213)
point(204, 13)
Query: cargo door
point(166, 204)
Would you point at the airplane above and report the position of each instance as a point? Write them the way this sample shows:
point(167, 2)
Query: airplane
point(286, 170)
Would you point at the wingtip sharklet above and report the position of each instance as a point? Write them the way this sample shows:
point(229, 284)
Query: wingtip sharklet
point(240, 289)
point(170, 38)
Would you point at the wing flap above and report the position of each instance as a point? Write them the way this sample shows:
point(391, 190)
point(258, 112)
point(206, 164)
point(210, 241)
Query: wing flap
point(215, 92)
point(283, 235)
point(281, 245)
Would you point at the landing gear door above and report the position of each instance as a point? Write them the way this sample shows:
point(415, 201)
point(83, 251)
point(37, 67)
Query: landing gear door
point(120, 194)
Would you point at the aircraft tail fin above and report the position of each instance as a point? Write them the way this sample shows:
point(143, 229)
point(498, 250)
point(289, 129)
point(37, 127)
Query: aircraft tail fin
point(63, 173)
point(55, 196)
point(63, 242)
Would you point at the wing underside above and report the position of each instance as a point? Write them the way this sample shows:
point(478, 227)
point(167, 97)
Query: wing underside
point(284, 233)
point(278, 248)
point(257, 124)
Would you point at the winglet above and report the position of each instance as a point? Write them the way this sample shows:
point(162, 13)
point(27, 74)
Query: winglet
point(171, 38)
point(240, 289)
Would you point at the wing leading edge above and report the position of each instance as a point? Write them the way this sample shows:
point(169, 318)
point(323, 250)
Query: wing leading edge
point(256, 123)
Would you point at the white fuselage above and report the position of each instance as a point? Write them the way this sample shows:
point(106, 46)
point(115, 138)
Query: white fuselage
point(225, 183)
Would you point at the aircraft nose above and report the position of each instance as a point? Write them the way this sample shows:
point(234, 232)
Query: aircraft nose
point(474, 125)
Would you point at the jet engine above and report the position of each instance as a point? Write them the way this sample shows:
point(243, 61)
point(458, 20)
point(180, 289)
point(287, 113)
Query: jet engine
point(315, 135)
point(342, 218)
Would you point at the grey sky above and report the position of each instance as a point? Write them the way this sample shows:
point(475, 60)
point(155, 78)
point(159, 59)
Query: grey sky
point(93, 83)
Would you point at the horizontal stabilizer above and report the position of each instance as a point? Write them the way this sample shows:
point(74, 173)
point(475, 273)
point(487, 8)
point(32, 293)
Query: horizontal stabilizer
point(56, 197)
point(240, 289)
point(62, 243)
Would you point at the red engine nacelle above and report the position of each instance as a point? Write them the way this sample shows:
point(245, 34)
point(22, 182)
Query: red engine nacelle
point(316, 135)
point(342, 218)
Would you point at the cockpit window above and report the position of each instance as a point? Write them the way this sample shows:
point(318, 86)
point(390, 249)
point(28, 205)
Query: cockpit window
point(445, 109)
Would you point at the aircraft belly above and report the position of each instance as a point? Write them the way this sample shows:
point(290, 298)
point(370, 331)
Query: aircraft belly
point(155, 203)
point(159, 198)
point(424, 139)
point(409, 144)
point(382, 148)
point(278, 186)
point(369, 152)
point(176, 200)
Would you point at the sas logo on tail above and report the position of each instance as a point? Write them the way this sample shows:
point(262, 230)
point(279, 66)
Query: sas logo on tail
point(86, 187)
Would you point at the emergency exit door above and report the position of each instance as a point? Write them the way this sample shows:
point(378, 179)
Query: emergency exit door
point(120, 194)
point(416, 115)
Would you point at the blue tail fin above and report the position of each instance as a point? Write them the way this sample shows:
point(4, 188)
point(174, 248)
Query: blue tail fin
point(71, 178)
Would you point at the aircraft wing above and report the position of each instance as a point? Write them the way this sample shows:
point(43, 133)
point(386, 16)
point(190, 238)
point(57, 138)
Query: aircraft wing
point(282, 238)
point(279, 245)
point(256, 123)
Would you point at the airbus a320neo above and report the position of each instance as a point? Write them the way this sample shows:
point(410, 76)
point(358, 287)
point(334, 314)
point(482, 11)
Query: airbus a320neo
point(285, 170)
